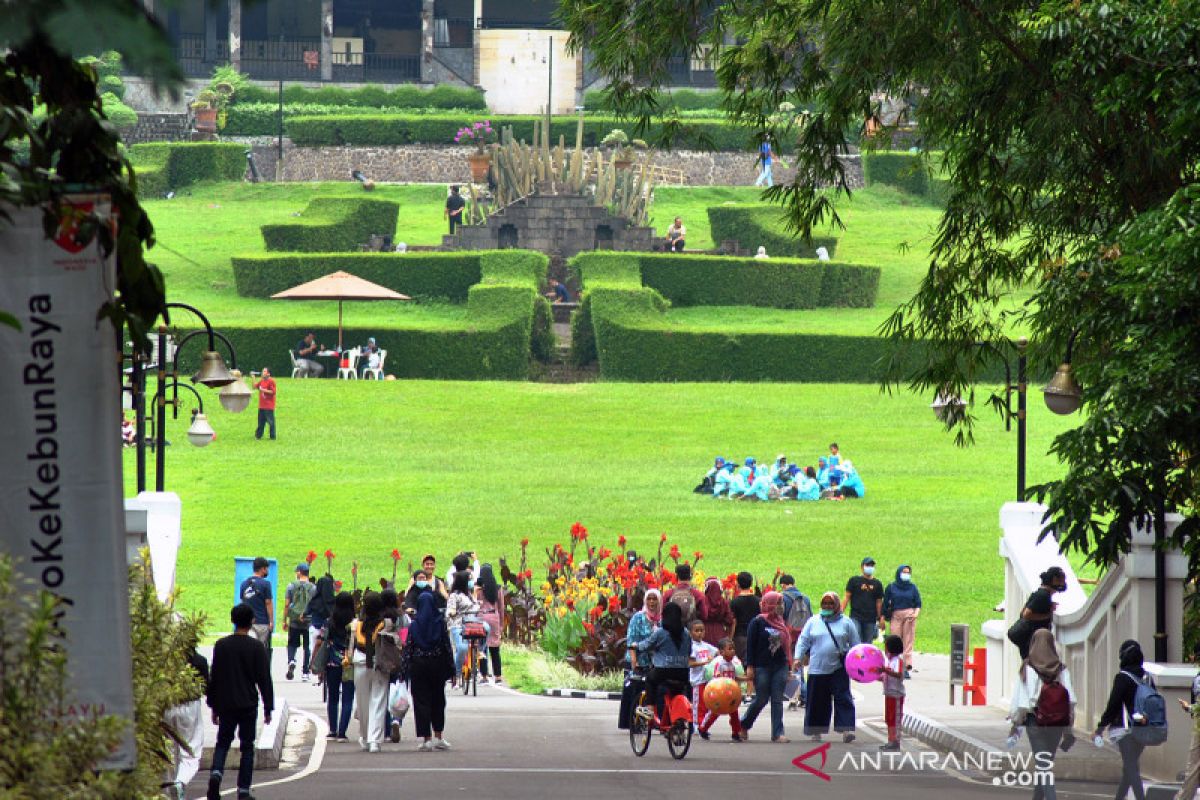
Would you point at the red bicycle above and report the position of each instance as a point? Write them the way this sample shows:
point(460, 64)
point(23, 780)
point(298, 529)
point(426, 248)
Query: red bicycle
point(676, 727)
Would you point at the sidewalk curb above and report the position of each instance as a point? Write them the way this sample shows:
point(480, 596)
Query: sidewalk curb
point(580, 694)
point(935, 734)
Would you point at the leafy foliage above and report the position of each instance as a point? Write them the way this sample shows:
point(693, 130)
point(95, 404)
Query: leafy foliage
point(406, 96)
point(330, 224)
point(752, 225)
point(163, 166)
point(446, 276)
point(1062, 124)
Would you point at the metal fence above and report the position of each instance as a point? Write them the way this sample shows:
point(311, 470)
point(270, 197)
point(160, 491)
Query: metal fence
point(376, 67)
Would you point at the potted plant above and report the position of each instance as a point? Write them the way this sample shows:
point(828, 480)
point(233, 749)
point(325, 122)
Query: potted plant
point(209, 107)
point(480, 135)
point(618, 142)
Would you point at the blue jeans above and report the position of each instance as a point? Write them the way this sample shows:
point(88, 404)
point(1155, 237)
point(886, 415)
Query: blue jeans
point(765, 176)
point(266, 416)
point(769, 683)
point(867, 631)
point(340, 693)
point(243, 722)
point(461, 645)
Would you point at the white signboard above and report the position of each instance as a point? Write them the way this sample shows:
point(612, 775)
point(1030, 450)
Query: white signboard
point(61, 512)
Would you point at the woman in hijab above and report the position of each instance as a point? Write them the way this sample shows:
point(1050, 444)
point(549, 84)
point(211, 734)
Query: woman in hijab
point(370, 685)
point(669, 649)
point(1117, 713)
point(1041, 668)
point(339, 683)
point(490, 597)
point(643, 624)
point(768, 663)
point(824, 642)
point(430, 664)
point(901, 607)
point(718, 621)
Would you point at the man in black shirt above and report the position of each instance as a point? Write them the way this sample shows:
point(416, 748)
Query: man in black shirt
point(745, 607)
point(1039, 608)
point(306, 357)
point(454, 207)
point(864, 598)
point(239, 676)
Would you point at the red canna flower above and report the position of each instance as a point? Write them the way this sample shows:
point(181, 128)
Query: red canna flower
point(583, 535)
point(527, 574)
point(614, 605)
point(524, 543)
point(674, 552)
point(337, 585)
point(665, 577)
point(570, 604)
point(577, 530)
point(311, 557)
point(354, 569)
point(696, 556)
point(603, 553)
point(590, 628)
point(621, 541)
point(329, 555)
point(651, 582)
point(663, 538)
point(596, 612)
point(395, 554)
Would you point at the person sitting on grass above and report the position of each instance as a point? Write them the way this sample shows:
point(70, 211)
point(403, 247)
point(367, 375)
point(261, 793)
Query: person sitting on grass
point(781, 474)
point(807, 487)
point(725, 479)
point(851, 485)
point(823, 472)
point(676, 236)
point(753, 484)
point(707, 485)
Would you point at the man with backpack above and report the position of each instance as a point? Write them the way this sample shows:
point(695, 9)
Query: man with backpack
point(689, 599)
point(295, 616)
point(1136, 713)
point(797, 610)
point(1043, 705)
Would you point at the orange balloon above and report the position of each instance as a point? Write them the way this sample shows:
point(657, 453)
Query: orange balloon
point(722, 695)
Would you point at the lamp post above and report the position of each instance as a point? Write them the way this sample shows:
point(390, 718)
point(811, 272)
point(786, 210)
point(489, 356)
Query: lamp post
point(1064, 395)
point(949, 407)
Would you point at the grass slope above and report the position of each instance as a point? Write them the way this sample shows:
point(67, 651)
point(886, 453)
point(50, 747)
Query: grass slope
point(442, 466)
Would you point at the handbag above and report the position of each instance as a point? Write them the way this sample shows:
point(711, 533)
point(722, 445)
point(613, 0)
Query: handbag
point(321, 652)
point(1021, 632)
point(399, 698)
point(841, 653)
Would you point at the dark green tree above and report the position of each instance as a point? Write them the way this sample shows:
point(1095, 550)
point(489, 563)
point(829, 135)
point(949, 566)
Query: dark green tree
point(1070, 140)
point(69, 143)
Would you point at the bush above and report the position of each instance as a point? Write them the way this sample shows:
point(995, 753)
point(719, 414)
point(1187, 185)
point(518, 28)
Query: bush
point(687, 280)
point(332, 224)
point(504, 322)
point(446, 276)
point(752, 225)
point(163, 166)
point(906, 171)
point(682, 99)
point(111, 84)
point(108, 64)
point(405, 96)
point(262, 119)
point(117, 112)
point(398, 129)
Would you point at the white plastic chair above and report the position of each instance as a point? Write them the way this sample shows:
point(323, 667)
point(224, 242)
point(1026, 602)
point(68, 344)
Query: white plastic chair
point(350, 372)
point(377, 372)
point(297, 372)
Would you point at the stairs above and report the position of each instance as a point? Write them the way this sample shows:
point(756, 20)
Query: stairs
point(560, 369)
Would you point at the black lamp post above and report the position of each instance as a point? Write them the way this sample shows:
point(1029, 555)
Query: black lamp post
point(949, 407)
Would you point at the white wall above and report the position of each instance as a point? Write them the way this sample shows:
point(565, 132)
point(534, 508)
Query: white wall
point(513, 69)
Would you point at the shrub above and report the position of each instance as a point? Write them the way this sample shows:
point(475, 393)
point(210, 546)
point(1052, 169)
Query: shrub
point(752, 225)
point(108, 64)
point(905, 171)
point(332, 224)
point(398, 129)
point(112, 84)
point(262, 118)
point(117, 112)
point(447, 276)
point(682, 99)
point(180, 164)
point(405, 96)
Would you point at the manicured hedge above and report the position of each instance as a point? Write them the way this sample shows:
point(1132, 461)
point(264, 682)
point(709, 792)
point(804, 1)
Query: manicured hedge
point(754, 225)
point(262, 119)
point(398, 129)
point(506, 321)
point(683, 99)
point(333, 224)
point(689, 280)
point(446, 276)
point(905, 171)
point(163, 166)
point(406, 96)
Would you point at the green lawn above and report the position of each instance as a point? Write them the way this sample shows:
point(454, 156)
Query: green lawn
point(442, 466)
point(204, 225)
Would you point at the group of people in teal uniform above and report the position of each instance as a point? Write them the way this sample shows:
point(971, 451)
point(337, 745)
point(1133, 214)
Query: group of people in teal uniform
point(834, 478)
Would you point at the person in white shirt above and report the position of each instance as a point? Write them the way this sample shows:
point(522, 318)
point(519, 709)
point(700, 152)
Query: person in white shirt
point(463, 562)
point(460, 607)
point(1043, 702)
point(702, 654)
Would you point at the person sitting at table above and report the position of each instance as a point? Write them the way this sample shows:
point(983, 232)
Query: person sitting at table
point(676, 234)
point(306, 357)
point(369, 357)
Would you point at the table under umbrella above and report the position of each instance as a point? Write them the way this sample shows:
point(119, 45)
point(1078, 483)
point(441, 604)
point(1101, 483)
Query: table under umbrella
point(339, 286)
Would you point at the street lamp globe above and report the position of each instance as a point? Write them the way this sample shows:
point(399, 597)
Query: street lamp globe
point(235, 397)
point(1063, 394)
point(201, 433)
point(213, 373)
point(948, 407)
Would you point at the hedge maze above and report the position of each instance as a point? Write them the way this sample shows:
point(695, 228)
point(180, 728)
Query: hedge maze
point(161, 167)
point(754, 225)
point(332, 224)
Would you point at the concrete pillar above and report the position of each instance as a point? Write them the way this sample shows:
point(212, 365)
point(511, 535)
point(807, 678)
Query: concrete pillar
point(426, 41)
point(326, 40)
point(235, 34)
point(210, 34)
point(162, 514)
point(476, 22)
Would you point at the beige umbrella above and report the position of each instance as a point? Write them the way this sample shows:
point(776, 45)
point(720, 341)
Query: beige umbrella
point(339, 286)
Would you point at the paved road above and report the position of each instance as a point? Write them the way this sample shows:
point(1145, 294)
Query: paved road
point(512, 746)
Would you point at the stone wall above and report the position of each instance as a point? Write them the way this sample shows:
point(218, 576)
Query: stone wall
point(561, 225)
point(157, 128)
point(448, 164)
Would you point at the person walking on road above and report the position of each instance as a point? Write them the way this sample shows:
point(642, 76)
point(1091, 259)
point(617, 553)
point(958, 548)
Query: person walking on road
point(768, 663)
point(430, 663)
point(745, 607)
point(1043, 702)
point(490, 597)
point(240, 676)
point(1118, 711)
point(370, 686)
point(824, 643)
point(642, 625)
point(257, 592)
point(339, 680)
point(296, 619)
point(718, 618)
point(266, 403)
point(901, 607)
point(864, 601)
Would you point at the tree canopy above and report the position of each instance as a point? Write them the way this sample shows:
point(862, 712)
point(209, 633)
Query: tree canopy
point(1069, 136)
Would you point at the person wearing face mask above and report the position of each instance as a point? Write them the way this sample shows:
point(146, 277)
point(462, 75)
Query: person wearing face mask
point(824, 643)
point(1038, 612)
point(1119, 716)
point(418, 586)
point(901, 607)
point(864, 599)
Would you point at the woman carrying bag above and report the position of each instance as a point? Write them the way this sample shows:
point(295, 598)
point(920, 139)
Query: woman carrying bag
point(428, 664)
point(370, 685)
point(824, 642)
point(1043, 702)
point(331, 647)
point(490, 597)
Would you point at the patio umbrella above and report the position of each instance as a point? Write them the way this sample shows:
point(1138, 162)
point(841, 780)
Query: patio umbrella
point(339, 286)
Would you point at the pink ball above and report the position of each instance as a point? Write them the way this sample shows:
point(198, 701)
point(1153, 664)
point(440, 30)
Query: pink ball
point(861, 662)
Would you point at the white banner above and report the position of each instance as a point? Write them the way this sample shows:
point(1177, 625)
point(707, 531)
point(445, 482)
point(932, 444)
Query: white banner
point(60, 447)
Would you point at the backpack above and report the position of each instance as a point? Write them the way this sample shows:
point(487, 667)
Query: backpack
point(686, 602)
point(1053, 707)
point(388, 648)
point(799, 612)
point(1152, 730)
point(302, 593)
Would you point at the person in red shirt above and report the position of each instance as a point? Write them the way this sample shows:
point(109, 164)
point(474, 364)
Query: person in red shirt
point(266, 403)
